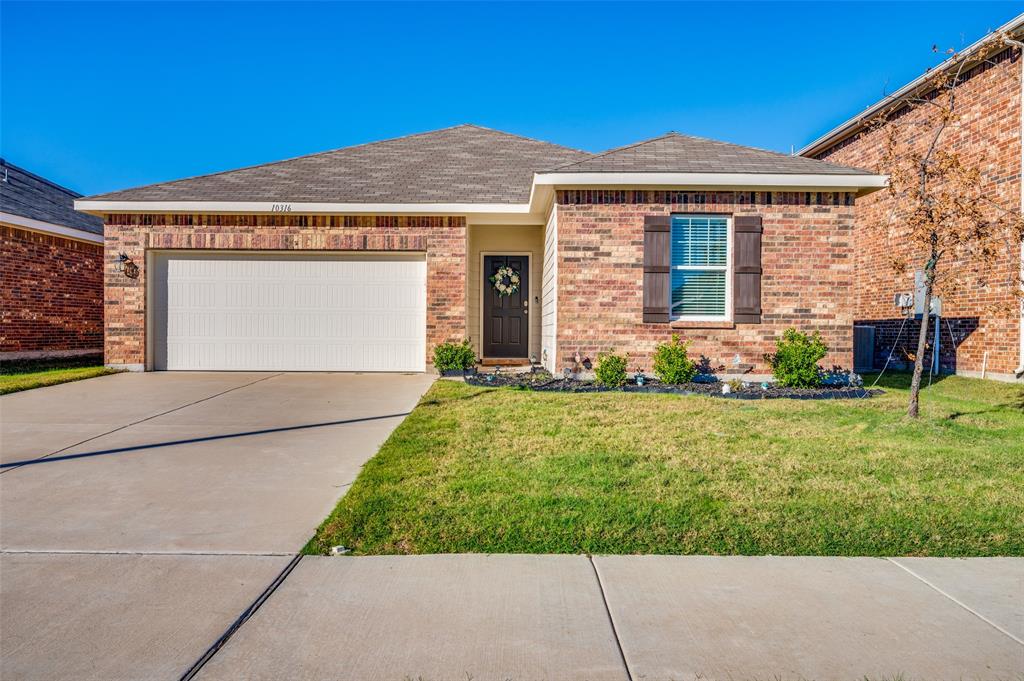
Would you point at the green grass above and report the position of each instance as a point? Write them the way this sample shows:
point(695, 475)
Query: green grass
point(26, 378)
point(502, 470)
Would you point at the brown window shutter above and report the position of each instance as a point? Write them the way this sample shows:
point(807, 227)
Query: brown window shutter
point(746, 267)
point(657, 259)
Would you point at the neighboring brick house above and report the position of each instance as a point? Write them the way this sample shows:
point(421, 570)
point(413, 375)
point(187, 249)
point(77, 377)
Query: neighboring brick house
point(51, 270)
point(981, 327)
point(365, 258)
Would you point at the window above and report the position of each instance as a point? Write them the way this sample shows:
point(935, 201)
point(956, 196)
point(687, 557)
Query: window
point(700, 267)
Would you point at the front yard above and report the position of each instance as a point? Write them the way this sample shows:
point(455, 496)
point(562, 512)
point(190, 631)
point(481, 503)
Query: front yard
point(508, 471)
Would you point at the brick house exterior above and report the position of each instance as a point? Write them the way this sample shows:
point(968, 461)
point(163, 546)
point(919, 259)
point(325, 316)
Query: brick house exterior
point(462, 200)
point(442, 239)
point(51, 271)
point(981, 327)
point(808, 280)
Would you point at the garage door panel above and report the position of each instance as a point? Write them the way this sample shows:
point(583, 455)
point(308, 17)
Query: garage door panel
point(283, 312)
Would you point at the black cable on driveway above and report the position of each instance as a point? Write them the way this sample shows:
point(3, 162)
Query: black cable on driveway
point(242, 619)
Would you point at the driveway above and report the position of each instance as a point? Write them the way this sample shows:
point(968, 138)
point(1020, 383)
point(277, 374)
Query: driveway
point(176, 497)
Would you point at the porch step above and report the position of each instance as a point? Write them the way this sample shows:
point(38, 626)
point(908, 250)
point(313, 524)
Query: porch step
point(505, 362)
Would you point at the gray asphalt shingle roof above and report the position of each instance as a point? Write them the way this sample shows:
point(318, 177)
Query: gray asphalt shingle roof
point(463, 164)
point(29, 196)
point(675, 153)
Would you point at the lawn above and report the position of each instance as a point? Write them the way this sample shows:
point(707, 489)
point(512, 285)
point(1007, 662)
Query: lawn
point(26, 377)
point(509, 471)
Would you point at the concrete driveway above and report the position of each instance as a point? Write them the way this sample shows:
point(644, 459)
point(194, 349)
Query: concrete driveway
point(177, 497)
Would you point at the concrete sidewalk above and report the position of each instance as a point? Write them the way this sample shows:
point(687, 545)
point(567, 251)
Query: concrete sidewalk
point(634, 617)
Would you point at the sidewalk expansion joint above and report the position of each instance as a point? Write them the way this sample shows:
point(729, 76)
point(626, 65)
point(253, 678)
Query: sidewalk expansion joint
point(242, 619)
point(955, 600)
point(18, 464)
point(611, 620)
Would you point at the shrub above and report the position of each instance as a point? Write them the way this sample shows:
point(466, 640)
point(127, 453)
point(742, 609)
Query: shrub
point(671, 363)
point(610, 369)
point(795, 362)
point(454, 356)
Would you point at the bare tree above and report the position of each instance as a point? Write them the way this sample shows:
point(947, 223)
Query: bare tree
point(942, 205)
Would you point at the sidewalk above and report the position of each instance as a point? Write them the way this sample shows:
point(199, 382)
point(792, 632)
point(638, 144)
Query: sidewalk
point(634, 617)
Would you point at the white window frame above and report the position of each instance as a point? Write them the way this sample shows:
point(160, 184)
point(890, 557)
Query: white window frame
point(727, 268)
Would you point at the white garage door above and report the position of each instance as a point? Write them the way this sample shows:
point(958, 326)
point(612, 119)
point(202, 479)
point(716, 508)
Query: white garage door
point(284, 312)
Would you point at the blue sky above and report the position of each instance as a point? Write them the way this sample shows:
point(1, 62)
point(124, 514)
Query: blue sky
point(102, 96)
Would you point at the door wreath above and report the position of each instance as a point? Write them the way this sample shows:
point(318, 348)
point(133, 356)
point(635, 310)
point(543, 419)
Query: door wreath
point(505, 280)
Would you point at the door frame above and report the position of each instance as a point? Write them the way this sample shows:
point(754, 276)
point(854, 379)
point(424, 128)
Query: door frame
point(529, 321)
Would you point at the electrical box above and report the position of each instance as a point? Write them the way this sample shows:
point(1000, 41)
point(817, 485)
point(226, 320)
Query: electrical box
point(936, 306)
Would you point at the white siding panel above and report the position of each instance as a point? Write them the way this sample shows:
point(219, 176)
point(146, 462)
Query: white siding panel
point(549, 293)
point(282, 312)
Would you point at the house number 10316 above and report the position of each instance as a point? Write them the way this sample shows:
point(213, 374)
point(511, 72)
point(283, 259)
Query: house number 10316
point(280, 208)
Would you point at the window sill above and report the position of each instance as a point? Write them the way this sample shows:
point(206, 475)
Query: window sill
point(696, 324)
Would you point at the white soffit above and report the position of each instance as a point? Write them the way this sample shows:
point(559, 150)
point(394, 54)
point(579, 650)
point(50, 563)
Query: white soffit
point(50, 228)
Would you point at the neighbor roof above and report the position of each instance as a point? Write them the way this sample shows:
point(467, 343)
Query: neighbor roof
point(675, 153)
point(979, 48)
point(29, 196)
point(463, 164)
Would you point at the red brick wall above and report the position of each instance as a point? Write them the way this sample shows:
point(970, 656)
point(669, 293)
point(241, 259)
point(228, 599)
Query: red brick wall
point(443, 239)
point(988, 135)
point(51, 292)
point(807, 263)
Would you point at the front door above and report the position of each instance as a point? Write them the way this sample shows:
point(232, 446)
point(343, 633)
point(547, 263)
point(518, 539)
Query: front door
point(506, 315)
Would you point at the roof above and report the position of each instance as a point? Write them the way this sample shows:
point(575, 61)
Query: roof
point(675, 153)
point(29, 196)
point(855, 123)
point(462, 164)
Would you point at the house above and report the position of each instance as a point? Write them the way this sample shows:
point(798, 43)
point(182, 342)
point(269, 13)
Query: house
point(51, 270)
point(366, 257)
point(981, 332)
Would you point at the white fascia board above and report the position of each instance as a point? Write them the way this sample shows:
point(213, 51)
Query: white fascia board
point(777, 181)
point(50, 228)
point(285, 207)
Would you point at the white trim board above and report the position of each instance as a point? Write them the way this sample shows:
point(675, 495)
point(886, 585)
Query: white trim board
point(682, 181)
point(50, 228)
point(541, 195)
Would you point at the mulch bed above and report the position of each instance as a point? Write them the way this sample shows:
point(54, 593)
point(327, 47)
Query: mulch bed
point(545, 382)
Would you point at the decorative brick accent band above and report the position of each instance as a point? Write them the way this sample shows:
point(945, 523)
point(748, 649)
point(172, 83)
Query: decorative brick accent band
point(443, 239)
point(576, 197)
point(51, 293)
point(807, 280)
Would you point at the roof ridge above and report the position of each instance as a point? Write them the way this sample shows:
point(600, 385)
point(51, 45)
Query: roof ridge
point(518, 136)
point(617, 149)
point(7, 164)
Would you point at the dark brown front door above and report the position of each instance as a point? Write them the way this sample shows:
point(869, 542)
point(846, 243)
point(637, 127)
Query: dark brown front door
point(506, 317)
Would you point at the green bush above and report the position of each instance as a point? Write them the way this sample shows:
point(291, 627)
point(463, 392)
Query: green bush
point(454, 356)
point(610, 369)
point(671, 363)
point(795, 362)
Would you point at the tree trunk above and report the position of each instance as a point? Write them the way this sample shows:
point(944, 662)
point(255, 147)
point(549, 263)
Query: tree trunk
point(922, 342)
